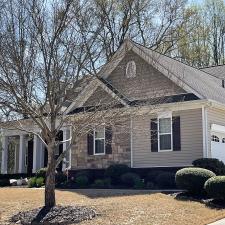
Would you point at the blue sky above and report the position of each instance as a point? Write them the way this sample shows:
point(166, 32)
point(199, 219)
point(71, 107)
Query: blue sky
point(195, 1)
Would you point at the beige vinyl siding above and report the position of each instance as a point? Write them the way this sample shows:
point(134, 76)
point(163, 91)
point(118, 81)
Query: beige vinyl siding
point(148, 83)
point(100, 97)
point(191, 141)
point(215, 116)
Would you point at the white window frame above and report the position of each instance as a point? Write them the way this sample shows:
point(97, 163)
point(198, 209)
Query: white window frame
point(103, 153)
point(165, 115)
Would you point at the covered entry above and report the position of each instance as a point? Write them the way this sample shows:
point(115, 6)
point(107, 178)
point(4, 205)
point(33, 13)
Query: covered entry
point(218, 142)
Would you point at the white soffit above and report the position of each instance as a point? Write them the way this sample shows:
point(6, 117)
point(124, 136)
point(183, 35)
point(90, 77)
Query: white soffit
point(218, 128)
point(165, 114)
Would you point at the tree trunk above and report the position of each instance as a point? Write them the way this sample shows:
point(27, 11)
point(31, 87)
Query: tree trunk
point(50, 177)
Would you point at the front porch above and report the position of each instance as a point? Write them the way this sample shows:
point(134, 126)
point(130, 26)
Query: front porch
point(24, 153)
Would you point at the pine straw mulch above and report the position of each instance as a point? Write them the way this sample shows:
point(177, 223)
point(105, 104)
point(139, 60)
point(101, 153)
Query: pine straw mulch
point(115, 207)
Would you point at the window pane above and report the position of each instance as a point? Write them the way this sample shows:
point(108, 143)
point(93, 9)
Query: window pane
point(165, 125)
point(99, 132)
point(99, 146)
point(165, 142)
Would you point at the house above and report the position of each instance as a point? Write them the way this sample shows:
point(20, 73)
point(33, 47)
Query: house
point(179, 117)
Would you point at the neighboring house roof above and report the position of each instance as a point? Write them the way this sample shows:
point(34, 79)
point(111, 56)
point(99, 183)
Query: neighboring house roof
point(192, 80)
point(216, 71)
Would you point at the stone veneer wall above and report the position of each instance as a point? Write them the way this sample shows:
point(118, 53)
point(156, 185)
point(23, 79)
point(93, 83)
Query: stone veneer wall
point(120, 151)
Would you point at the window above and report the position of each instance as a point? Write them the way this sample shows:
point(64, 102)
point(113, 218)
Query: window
point(131, 69)
point(99, 141)
point(215, 138)
point(165, 134)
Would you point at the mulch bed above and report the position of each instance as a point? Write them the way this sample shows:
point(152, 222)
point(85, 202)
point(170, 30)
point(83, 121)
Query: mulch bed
point(58, 215)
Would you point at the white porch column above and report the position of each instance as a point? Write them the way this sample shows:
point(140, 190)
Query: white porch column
point(22, 151)
point(42, 153)
point(66, 160)
point(38, 155)
point(5, 142)
point(35, 154)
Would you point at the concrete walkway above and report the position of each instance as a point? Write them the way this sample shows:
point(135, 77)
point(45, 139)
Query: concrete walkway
point(218, 222)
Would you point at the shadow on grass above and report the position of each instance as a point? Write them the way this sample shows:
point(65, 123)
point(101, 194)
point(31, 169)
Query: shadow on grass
point(105, 193)
point(216, 204)
point(210, 203)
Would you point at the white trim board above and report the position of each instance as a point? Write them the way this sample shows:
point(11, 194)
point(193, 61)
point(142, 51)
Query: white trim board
point(218, 128)
point(88, 91)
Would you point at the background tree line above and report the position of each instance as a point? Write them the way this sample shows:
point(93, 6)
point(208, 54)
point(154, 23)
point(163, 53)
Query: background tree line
point(191, 33)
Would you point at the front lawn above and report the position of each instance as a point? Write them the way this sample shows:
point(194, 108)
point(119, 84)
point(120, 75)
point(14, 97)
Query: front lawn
point(115, 206)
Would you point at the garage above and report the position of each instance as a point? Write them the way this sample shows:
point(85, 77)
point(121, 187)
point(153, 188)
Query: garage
point(218, 142)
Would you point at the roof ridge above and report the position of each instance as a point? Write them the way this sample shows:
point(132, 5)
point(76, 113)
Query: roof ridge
point(176, 60)
point(211, 66)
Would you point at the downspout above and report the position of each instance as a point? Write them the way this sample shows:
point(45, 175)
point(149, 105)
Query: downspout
point(207, 136)
point(131, 142)
point(205, 131)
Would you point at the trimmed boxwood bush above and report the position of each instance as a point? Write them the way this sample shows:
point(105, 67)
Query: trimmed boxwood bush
point(99, 183)
point(115, 171)
point(4, 182)
point(152, 175)
point(193, 179)
point(82, 181)
point(130, 179)
point(84, 173)
point(40, 181)
point(214, 165)
point(215, 187)
point(139, 184)
point(41, 172)
point(60, 178)
point(32, 182)
point(166, 180)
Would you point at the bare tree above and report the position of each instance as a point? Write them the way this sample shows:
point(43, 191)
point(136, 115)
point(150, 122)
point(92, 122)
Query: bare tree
point(45, 50)
point(36, 67)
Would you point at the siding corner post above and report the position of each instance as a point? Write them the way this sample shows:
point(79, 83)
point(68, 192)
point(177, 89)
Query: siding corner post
point(4, 164)
point(131, 142)
point(205, 131)
point(22, 150)
point(67, 133)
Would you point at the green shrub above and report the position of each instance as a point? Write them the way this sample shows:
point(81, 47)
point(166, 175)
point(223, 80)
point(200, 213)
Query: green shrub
point(99, 183)
point(102, 183)
point(82, 181)
point(115, 171)
point(130, 179)
point(193, 179)
point(214, 165)
point(165, 180)
point(32, 182)
point(215, 187)
point(60, 178)
point(84, 173)
point(41, 172)
point(150, 185)
point(139, 184)
point(152, 175)
point(40, 181)
point(4, 182)
point(107, 182)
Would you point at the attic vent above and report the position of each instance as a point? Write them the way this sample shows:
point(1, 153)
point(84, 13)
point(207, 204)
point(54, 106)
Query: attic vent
point(223, 83)
point(131, 69)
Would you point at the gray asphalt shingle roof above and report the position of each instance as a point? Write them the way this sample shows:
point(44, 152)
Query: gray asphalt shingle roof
point(217, 71)
point(185, 76)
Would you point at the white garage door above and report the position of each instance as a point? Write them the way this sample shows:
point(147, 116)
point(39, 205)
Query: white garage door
point(218, 145)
